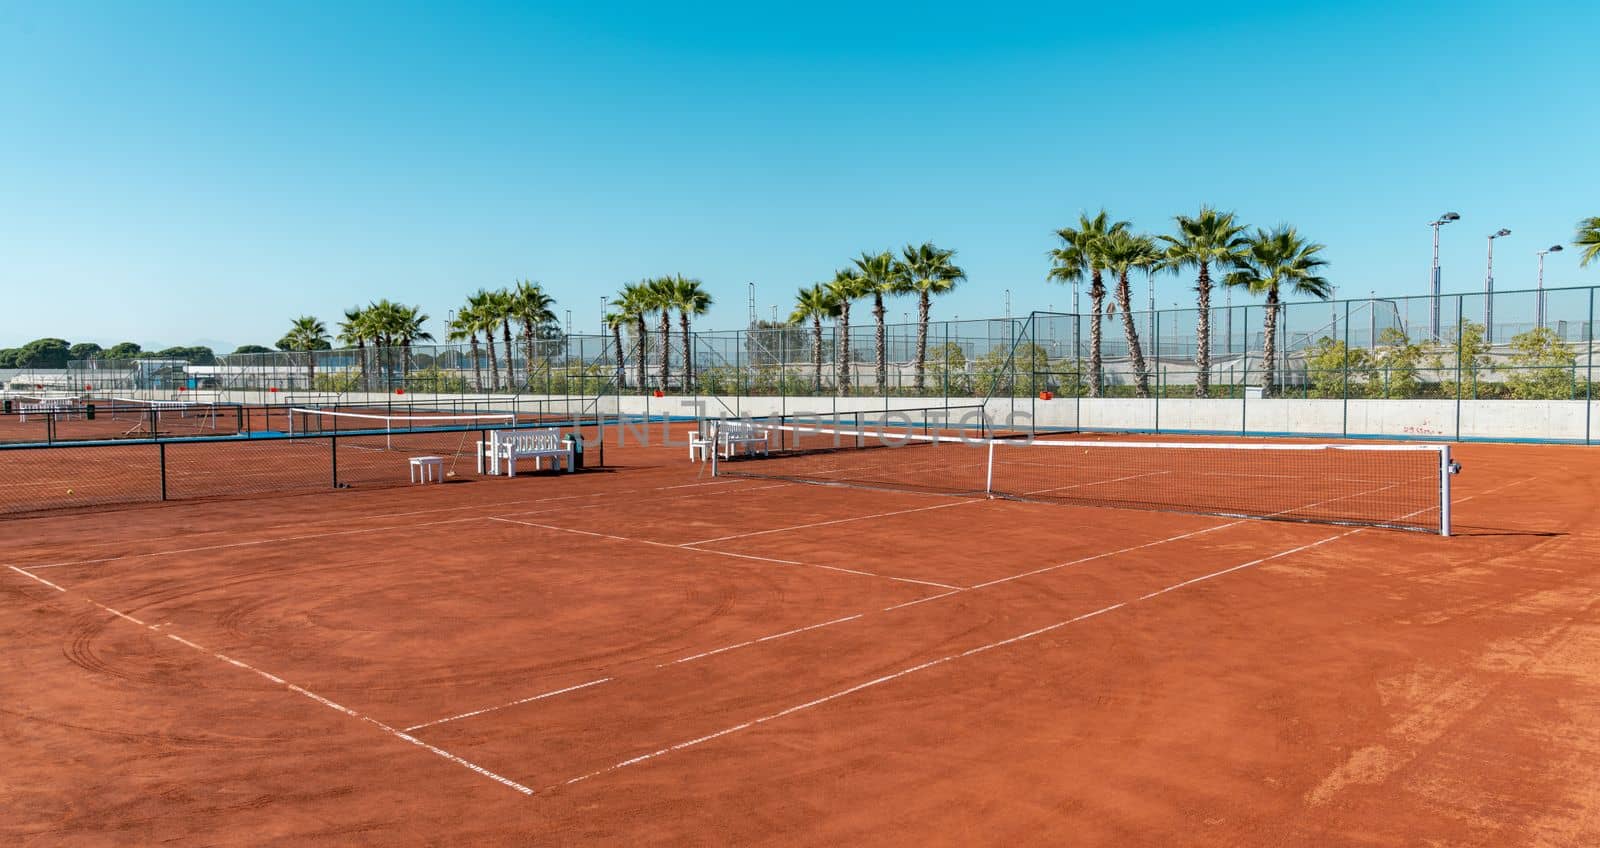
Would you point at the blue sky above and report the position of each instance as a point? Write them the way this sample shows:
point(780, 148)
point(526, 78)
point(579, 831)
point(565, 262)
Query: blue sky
point(174, 173)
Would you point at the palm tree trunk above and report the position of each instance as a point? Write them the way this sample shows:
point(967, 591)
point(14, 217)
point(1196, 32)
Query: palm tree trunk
point(842, 344)
point(1135, 353)
point(616, 339)
point(405, 362)
point(311, 369)
point(361, 362)
point(477, 366)
point(816, 349)
point(924, 308)
point(1269, 342)
point(494, 363)
point(643, 347)
point(1202, 334)
point(666, 347)
point(688, 351)
point(1097, 304)
point(527, 346)
point(511, 372)
point(879, 339)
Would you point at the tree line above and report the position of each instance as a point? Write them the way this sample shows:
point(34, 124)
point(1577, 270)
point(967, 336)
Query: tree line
point(924, 271)
point(658, 297)
point(1263, 263)
point(55, 353)
point(383, 330)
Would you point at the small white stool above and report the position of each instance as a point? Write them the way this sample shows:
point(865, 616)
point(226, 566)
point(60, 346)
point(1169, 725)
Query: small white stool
point(426, 468)
point(699, 446)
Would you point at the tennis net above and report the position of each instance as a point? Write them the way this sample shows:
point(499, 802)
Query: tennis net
point(1397, 486)
point(303, 421)
point(144, 417)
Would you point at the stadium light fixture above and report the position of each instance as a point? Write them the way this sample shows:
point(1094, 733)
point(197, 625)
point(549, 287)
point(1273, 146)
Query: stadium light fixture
point(1433, 322)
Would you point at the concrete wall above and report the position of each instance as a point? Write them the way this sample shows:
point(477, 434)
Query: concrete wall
point(1533, 420)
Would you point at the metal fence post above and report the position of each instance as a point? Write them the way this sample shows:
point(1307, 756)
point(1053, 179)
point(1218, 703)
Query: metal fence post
point(1459, 348)
point(1588, 380)
point(1244, 375)
point(1344, 425)
point(1155, 362)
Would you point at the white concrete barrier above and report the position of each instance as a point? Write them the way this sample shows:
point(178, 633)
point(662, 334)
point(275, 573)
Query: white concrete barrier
point(1444, 419)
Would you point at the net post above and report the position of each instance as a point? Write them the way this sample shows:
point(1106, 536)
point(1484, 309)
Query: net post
point(161, 449)
point(988, 479)
point(333, 459)
point(715, 438)
point(1446, 471)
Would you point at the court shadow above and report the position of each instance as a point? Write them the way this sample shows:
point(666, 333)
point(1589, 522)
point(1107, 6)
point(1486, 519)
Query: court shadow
point(1503, 531)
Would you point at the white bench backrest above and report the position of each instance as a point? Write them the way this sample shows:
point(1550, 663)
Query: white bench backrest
point(543, 440)
point(743, 430)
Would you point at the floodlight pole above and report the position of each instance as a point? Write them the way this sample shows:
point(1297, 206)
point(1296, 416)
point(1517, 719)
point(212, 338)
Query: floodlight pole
point(1433, 322)
point(1539, 307)
point(1488, 289)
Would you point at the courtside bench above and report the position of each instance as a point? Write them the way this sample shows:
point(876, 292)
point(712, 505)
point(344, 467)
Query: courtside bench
point(731, 435)
point(546, 442)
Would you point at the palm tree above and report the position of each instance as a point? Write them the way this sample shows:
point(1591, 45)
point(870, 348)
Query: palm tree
point(661, 292)
point(1209, 238)
point(1124, 253)
point(847, 286)
point(462, 328)
point(1588, 238)
point(380, 316)
point(929, 271)
point(690, 299)
point(408, 328)
point(880, 275)
point(530, 306)
point(306, 334)
point(356, 329)
point(615, 322)
point(633, 304)
point(500, 306)
point(481, 308)
point(814, 304)
point(1081, 256)
point(1272, 260)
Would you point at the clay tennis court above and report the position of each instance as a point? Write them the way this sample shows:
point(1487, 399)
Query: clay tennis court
point(648, 655)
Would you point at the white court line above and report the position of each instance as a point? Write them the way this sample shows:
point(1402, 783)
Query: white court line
point(398, 734)
point(1048, 568)
point(1012, 640)
point(748, 642)
point(690, 546)
point(834, 521)
point(945, 659)
point(36, 577)
point(330, 533)
point(1096, 483)
point(675, 497)
point(252, 542)
point(958, 590)
point(391, 515)
point(528, 700)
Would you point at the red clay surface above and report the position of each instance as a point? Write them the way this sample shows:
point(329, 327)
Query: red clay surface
point(645, 655)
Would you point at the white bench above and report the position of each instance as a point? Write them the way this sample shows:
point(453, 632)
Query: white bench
point(732, 434)
point(45, 407)
point(532, 444)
